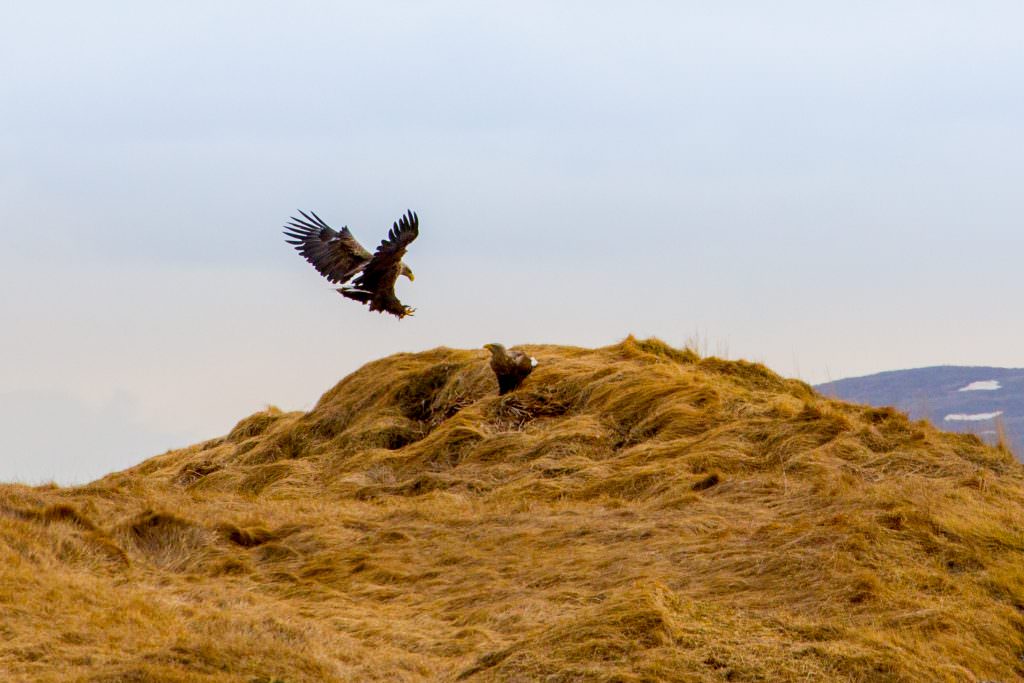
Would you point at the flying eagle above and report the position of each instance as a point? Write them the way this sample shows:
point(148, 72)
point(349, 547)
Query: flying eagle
point(510, 367)
point(339, 257)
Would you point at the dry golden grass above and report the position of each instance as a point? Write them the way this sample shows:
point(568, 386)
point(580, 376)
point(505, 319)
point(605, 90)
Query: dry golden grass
point(632, 513)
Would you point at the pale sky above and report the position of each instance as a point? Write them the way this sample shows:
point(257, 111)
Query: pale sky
point(833, 189)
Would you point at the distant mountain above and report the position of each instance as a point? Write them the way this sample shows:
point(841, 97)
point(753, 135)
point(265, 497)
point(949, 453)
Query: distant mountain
point(954, 398)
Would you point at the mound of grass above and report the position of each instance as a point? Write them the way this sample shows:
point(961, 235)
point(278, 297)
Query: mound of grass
point(631, 513)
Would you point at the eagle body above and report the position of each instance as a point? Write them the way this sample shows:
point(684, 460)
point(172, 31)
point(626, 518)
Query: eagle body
point(338, 256)
point(510, 367)
point(382, 300)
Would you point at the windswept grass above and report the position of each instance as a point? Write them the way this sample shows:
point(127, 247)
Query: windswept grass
point(631, 513)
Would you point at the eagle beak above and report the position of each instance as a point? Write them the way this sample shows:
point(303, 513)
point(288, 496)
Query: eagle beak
point(409, 275)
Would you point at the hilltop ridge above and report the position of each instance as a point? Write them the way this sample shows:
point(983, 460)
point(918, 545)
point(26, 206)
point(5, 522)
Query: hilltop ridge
point(631, 513)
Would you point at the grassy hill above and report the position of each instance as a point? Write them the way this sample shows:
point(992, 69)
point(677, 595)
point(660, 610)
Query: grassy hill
point(632, 513)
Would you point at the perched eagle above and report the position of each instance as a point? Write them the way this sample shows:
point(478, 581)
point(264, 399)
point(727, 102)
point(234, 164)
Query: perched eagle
point(510, 367)
point(339, 257)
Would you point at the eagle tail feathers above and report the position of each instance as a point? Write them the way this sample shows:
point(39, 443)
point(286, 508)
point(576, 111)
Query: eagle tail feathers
point(360, 295)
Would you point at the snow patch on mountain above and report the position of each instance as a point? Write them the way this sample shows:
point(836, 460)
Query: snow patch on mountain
point(977, 417)
point(983, 385)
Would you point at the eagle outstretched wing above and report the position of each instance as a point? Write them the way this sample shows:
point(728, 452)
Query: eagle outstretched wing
point(335, 254)
point(380, 273)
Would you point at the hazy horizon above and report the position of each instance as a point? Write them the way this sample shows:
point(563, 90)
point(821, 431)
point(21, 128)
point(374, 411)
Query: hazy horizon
point(830, 191)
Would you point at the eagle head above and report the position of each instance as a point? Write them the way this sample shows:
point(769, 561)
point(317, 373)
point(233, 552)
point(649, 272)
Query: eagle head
point(407, 272)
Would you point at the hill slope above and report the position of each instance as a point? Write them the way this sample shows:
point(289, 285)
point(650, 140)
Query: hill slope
point(631, 513)
point(962, 399)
